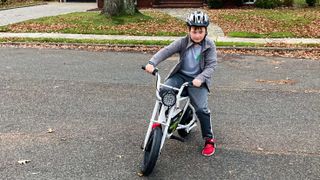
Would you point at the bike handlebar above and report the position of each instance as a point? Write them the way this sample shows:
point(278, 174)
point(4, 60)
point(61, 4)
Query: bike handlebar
point(158, 84)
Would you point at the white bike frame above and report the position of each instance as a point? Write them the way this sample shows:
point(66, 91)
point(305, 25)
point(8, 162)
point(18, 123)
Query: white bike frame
point(160, 117)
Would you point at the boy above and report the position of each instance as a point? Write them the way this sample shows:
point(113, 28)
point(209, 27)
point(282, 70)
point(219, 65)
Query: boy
point(197, 62)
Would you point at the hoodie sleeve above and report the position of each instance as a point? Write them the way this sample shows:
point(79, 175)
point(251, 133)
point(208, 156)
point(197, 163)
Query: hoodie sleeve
point(166, 52)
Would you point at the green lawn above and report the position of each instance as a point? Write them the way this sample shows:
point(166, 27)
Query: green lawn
point(149, 23)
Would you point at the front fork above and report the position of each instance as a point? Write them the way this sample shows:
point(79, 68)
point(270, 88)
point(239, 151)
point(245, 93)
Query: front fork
point(154, 113)
point(161, 120)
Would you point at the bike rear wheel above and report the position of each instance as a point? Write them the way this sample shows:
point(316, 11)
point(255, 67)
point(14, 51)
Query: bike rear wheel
point(151, 152)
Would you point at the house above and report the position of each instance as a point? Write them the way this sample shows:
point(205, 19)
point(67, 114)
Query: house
point(170, 3)
point(164, 3)
point(175, 3)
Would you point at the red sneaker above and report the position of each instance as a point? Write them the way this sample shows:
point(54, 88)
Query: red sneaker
point(209, 147)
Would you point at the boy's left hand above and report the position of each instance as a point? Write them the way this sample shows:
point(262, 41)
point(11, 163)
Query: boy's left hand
point(196, 82)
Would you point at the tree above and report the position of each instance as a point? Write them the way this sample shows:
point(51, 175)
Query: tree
point(117, 7)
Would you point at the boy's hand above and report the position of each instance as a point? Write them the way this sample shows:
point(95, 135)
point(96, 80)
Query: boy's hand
point(149, 68)
point(196, 82)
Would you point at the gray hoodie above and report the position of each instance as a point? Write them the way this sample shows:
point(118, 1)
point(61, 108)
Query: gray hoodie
point(181, 45)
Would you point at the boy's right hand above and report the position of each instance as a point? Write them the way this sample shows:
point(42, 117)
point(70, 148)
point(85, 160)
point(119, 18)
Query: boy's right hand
point(149, 68)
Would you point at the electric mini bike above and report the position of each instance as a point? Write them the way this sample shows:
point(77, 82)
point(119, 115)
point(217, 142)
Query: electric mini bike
point(172, 112)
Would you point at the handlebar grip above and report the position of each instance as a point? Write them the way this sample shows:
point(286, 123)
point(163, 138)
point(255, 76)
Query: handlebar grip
point(154, 71)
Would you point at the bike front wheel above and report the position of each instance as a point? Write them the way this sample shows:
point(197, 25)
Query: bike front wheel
point(151, 151)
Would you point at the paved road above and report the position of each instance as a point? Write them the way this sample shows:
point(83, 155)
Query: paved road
point(97, 104)
point(51, 9)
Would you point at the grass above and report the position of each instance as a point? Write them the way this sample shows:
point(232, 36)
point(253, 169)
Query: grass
point(85, 41)
point(299, 3)
point(148, 23)
point(238, 44)
point(140, 42)
point(114, 42)
point(91, 18)
point(15, 4)
point(257, 35)
point(285, 17)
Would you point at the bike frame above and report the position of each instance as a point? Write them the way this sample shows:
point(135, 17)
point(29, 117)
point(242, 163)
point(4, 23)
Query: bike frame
point(181, 104)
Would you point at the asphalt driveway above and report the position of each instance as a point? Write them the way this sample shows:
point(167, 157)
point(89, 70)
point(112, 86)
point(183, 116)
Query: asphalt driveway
point(265, 116)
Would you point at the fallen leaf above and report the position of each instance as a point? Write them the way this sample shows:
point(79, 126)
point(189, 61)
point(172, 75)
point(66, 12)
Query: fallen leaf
point(303, 54)
point(275, 62)
point(140, 174)
point(24, 161)
point(279, 82)
point(312, 91)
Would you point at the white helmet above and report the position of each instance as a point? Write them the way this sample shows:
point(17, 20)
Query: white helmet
point(198, 18)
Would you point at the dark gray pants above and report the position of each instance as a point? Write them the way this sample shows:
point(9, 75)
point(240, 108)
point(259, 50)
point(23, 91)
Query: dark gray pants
point(199, 100)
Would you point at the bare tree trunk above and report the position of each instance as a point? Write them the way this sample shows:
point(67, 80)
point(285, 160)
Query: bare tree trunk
point(129, 6)
point(116, 7)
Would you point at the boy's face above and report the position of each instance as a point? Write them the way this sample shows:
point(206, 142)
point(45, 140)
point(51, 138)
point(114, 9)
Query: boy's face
point(197, 33)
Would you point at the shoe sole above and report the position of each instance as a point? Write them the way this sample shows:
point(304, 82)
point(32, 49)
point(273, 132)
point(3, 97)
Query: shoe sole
point(207, 155)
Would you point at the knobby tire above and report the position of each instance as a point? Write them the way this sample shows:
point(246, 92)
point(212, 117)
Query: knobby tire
point(151, 152)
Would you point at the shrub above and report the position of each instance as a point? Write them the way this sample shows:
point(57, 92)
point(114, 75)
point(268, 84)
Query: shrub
point(311, 2)
point(237, 2)
point(287, 3)
point(215, 4)
point(267, 4)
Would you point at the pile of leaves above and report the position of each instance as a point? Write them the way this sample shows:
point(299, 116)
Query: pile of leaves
point(294, 22)
point(312, 53)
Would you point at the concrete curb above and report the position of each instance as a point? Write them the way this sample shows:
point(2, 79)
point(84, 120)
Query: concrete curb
point(271, 40)
point(159, 38)
point(155, 46)
point(86, 36)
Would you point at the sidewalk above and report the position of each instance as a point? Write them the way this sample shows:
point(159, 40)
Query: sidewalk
point(158, 38)
point(11, 16)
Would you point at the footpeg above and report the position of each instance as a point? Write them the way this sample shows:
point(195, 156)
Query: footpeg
point(177, 138)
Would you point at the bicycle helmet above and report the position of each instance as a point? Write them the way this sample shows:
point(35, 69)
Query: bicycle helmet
point(198, 18)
